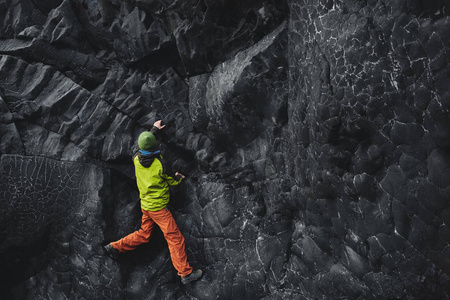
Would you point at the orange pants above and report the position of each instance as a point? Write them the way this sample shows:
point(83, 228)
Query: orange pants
point(164, 219)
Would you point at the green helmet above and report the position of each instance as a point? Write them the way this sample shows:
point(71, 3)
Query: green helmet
point(146, 140)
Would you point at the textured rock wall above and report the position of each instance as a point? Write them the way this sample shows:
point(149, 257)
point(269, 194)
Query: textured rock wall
point(369, 119)
point(314, 135)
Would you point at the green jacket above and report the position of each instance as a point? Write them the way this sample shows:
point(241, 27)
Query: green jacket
point(152, 181)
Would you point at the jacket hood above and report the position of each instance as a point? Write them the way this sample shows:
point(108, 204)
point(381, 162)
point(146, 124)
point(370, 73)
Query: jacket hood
point(146, 158)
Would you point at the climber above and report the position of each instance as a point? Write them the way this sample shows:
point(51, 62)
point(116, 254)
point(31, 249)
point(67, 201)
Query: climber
point(153, 184)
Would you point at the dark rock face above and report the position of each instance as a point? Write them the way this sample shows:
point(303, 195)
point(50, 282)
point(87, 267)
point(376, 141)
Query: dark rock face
point(314, 136)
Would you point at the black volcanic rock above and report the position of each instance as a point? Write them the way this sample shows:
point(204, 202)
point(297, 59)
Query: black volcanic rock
point(314, 136)
point(42, 200)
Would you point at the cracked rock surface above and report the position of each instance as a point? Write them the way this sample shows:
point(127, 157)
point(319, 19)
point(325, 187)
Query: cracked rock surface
point(314, 136)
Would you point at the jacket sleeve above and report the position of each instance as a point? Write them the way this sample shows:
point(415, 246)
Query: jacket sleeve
point(171, 179)
point(155, 132)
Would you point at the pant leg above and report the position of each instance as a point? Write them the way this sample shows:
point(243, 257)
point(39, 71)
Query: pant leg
point(174, 239)
point(141, 236)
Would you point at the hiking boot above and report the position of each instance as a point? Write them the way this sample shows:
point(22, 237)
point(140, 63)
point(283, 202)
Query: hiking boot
point(195, 275)
point(114, 253)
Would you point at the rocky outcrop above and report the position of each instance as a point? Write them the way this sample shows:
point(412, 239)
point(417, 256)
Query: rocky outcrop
point(52, 218)
point(314, 137)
